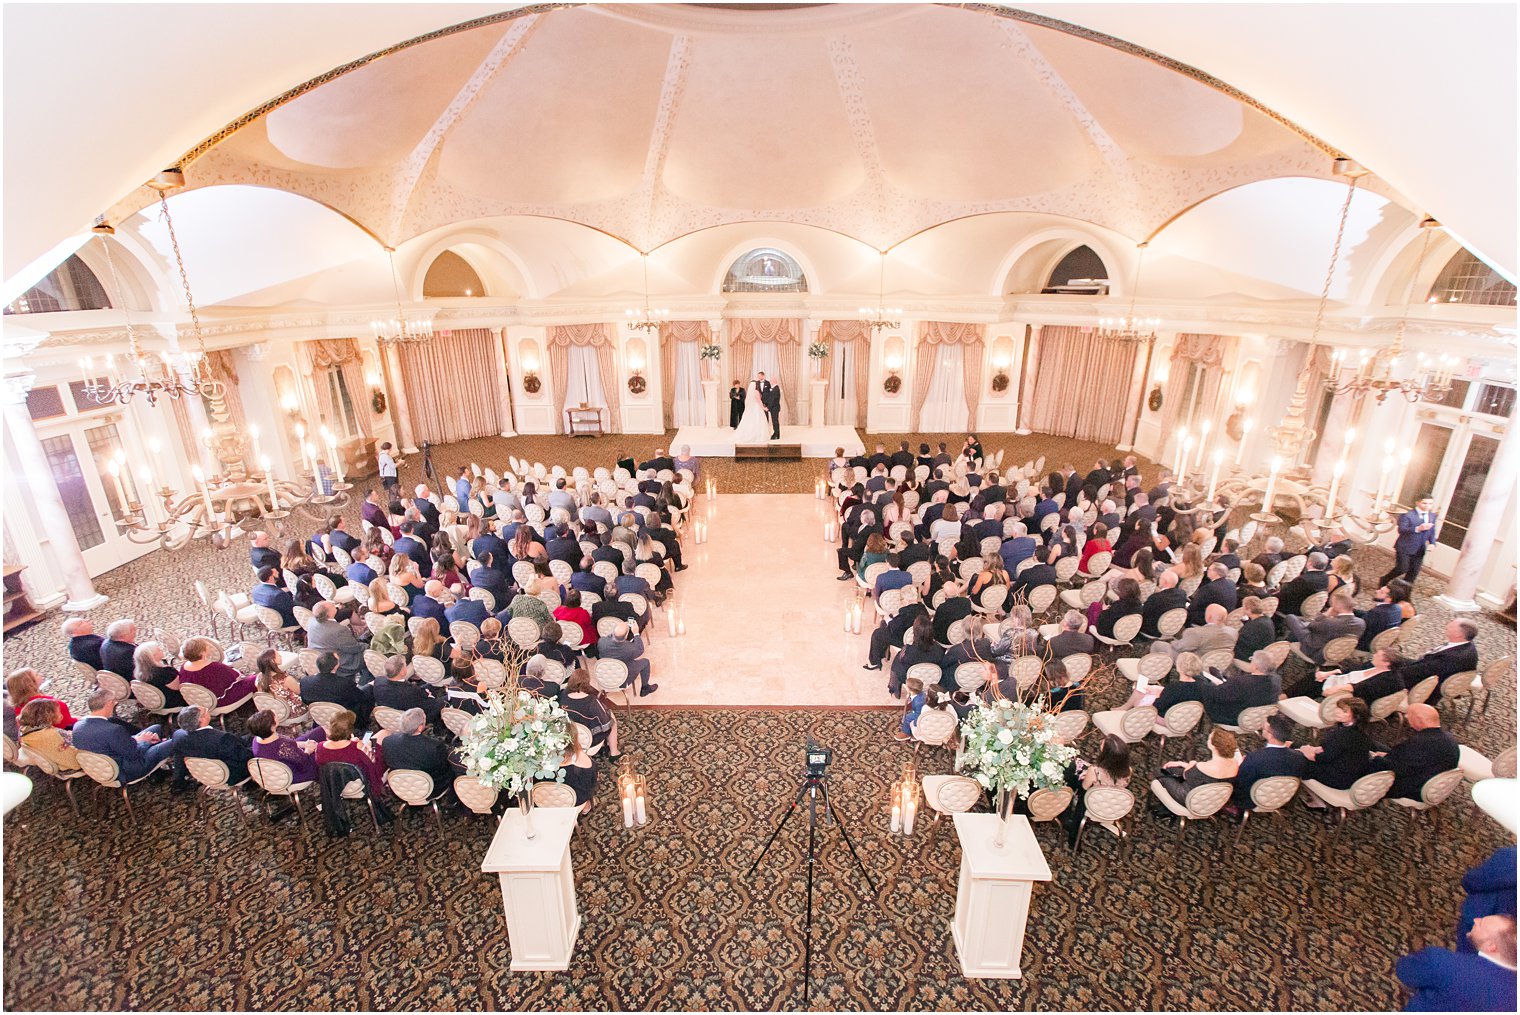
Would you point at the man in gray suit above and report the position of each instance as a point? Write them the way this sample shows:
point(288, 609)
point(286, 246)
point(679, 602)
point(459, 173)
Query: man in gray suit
point(1338, 622)
point(595, 513)
point(1212, 634)
point(624, 645)
point(326, 633)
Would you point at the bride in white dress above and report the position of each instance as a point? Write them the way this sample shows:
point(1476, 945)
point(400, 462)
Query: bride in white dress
point(754, 426)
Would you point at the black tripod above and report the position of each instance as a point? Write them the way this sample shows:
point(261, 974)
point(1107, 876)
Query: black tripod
point(812, 787)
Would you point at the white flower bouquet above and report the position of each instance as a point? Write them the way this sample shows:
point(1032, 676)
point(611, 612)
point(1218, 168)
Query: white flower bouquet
point(515, 741)
point(1010, 746)
point(710, 351)
point(818, 350)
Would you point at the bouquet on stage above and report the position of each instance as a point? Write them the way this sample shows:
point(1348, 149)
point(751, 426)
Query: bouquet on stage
point(1011, 749)
point(516, 740)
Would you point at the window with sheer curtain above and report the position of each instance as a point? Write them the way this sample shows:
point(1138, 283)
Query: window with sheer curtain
point(686, 407)
point(583, 378)
point(944, 409)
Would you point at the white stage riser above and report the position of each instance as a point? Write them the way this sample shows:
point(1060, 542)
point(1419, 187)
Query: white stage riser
point(816, 441)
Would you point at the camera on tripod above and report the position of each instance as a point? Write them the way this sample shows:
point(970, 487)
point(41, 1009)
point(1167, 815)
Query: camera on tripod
point(818, 759)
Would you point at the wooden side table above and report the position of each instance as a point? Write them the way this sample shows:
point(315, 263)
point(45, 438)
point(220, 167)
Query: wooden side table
point(584, 421)
point(18, 606)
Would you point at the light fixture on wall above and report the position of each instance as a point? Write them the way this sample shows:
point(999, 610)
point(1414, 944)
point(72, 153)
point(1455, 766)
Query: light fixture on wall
point(1001, 361)
point(398, 330)
point(636, 382)
point(1130, 327)
point(881, 317)
point(893, 382)
point(647, 319)
point(531, 382)
point(1374, 374)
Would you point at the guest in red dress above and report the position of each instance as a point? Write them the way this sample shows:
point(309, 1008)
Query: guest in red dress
point(204, 668)
point(340, 745)
point(25, 685)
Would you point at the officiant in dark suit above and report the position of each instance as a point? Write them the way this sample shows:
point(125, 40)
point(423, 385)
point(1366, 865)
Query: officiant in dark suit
point(735, 405)
point(770, 397)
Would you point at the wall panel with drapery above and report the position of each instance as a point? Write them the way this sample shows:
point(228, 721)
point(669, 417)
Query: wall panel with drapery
point(1081, 384)
point(584, 369)
point(219, 367)
point(947, 374)
point(1194, 377)
point(322, 356)
point(452, 387)
point(849, 368)
point(771, 345)
point(681, 371)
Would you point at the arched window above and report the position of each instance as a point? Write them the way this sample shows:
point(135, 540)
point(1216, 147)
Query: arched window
point(1081, 271)
point(451, 275)
point(70, 286)
point(765, 270)
point(1465, 279)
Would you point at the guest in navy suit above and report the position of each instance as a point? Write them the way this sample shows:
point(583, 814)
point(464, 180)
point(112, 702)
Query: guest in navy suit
point(101, 733)
point(469, 610)
point(118, 651)
point(261, 554)
point(84, 643)
point(430, 604)
point(415, 548)
point(1277, 757)
point(1442, 980)
point(1490, 889)
point(1428, 752)
point(269, 593)
point(1458, 655)
point(1417, 532)
point(202, 741)
point(1386, 612)
point(360, 571)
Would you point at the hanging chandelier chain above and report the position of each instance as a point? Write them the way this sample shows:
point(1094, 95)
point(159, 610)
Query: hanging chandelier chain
point(134, 350)
point(1335, 256)
point(1134, 290)
point(1419, 265)
point(184, 278)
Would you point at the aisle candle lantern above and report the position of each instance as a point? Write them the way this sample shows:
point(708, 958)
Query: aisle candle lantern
point(818, 489)
point(904, 800)
point(1245, 431)
point(859, 609)
point(670, 619)
point(849, 612)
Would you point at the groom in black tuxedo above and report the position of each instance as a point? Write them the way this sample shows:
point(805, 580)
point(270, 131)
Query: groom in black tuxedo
point(770, 397)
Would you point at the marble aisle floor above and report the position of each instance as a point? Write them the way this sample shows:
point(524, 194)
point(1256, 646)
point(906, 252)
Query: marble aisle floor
point(764, 614)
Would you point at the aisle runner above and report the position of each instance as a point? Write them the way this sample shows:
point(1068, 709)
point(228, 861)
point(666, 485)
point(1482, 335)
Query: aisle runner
point(764, 615)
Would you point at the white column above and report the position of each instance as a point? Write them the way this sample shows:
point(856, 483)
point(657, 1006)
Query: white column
point(1483, 530)
point(503, 382)
point(37, 476)
point(392, 361)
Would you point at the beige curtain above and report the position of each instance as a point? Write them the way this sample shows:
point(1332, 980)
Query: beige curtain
point(1076, 379)
point(561, 338)
point(936, 333)
point(1209, 351)
point(854, 336)
point(787, 334)
point(671, 333)
point(219, 367)
point(451, 385)
point(325, 354)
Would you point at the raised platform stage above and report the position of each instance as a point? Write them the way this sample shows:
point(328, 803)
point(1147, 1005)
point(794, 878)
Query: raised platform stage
point(796, 442)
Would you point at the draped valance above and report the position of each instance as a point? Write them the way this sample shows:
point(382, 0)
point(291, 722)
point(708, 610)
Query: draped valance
point(685, 331)
point(579, 334)
point(950, 332)
point(781, 330)
point(219, 366)
point(843, 331)
point(332, 352)
point(1210, 350)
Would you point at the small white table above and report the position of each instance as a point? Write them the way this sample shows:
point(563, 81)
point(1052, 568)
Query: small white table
point(992, 898)
point(820, 388)
point(537, 887)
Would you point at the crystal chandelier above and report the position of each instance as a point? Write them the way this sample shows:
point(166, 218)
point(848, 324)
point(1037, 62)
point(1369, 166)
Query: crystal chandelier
point(646, 318)
point(881, 317)
point(141, 375)
point(398, 330)
point(1374, 374)
point(1131, 328)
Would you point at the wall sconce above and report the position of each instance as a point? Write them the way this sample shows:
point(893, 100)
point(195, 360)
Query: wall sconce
point(377, 401)
point(893, 384)
point(636, 382)
point(1158, 378)
point(291, 405)
point(1000, 362)
point(531, 383)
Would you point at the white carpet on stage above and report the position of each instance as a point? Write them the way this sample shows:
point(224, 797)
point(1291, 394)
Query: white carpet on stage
point(816, 441)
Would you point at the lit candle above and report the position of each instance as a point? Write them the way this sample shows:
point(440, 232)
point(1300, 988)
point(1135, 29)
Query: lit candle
point(910, 808)
point(253, 435)
point(896, 814)
point(855, 620)
point(274, 497)
point(310, 454)
point(670, 620)
point(847, 611)
point(680, 625)
point(1214, 473)
point(1384, 476)
point(628, 808)
point(639, 811)
point(114, 468)
point(305, 447)
point(1350, 436)
point(1187, 448)
point(145, 480)
point(1398, 487)
point(1202, 440)
point(1266, 500)
point(1245, 431)
point(337, 459)
point(1178, 462)
point(200, 479)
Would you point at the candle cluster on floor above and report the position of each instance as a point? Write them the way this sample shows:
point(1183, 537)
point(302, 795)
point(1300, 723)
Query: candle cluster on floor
point(905, 792)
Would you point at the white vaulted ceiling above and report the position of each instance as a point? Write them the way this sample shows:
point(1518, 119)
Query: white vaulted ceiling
point(650, 123)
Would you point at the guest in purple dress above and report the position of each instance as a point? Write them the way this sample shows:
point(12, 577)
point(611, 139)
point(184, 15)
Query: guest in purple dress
point(204, 668)
point(299, 755)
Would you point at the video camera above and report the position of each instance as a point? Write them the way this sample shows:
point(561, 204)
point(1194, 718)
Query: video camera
point(818, 758)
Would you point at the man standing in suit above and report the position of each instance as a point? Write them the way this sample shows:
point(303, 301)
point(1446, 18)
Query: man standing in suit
point(1458, 655)
point(326, 633)
point(102, 733)
point(624, 645)
point(1218, 590)
point(1338, 622)
point(1442, 980)
point(200, 740)
point(735, 405)
point(1417, 532)
point(770, 395)
point(269, 593)
point(1276, 757)
point(1428, 751)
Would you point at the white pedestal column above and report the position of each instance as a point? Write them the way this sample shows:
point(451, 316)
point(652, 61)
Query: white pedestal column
point(1483, 531)
point(815, 402)
point(992, 898)
point(36, 476)
point(710, 402)
point(537, 887)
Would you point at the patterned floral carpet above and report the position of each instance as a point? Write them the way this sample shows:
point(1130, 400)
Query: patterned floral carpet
point(184, 912)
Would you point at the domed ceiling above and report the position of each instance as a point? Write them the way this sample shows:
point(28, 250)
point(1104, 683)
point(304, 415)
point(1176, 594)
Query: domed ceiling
point(651, 122)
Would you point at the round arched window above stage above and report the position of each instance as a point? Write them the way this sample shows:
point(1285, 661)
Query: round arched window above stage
point(765, 270)
point(1081, 272)
point(451, 275)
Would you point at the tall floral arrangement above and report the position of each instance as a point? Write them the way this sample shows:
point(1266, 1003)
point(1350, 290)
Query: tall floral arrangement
point(515, 740)
point(818, 350)
point(1011, 747)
